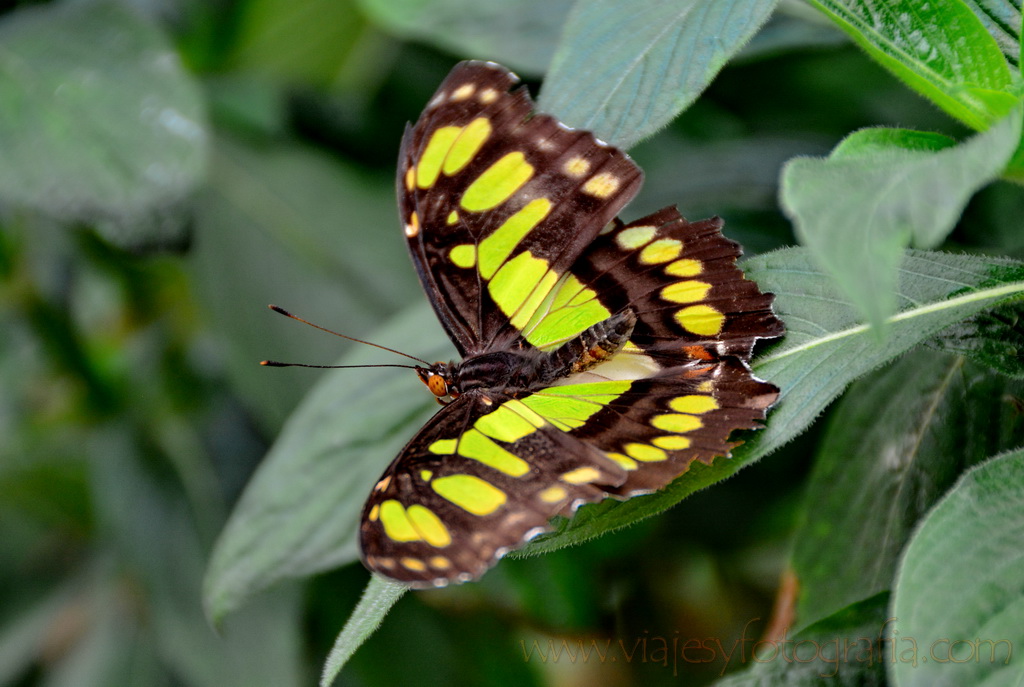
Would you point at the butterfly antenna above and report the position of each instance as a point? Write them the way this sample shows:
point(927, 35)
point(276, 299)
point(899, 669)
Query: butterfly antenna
point(275, 363)
point(284, 312)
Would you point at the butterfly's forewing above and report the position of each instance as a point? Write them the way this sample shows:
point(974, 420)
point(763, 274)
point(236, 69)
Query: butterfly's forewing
point(497, 203)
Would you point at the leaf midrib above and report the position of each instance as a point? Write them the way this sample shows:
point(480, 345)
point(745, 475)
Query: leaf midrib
point(972, 297)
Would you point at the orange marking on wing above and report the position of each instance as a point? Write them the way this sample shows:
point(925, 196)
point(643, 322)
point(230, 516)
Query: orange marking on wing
point(698, 352)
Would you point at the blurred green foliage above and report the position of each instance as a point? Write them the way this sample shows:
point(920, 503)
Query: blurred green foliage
point(169, 167)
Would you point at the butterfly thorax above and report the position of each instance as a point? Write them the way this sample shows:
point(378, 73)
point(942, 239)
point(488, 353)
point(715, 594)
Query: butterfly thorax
point(528, 369)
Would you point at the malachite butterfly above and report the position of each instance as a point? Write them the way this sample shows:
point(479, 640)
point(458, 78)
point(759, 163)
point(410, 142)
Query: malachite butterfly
point(599, 358)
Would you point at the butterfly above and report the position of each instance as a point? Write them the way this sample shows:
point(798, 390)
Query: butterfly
point(598, 358)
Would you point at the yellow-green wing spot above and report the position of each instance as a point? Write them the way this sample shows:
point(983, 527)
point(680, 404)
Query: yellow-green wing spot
point(635, 237)
point(576, 166)
point(644, 452)
point(429, 166)
point(581, 475)
point(439, 562)
point(470, 493)
point(678, 423)
point(689, 291)
point(472, 444)
point(495, 249)
point(463, 255)
point(601, 185)
point(661, 251)
point(693, 404)
point(520, 286)
point(429, 526)
point(571, 308)
point(671, 442)
point(684, 267)
point(702, 320)
point(625, 461)
point(414, 564)
point(497, 183)
point(397, 525)
point(507, 423)
point(570, 406)
point(553, 494)
point(467, 145)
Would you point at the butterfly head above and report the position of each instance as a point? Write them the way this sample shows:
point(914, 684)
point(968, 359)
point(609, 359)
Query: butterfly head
point(440, 380)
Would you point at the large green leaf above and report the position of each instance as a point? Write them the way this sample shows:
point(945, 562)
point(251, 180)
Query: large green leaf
point(881, 190)
point(625, 71)
point(300, 512)
point(1001, 19)
point(302, 41)
point(941, 49)
point(99, 123)
point(520, 34)
point(995, 339)
point(281, 223)
point(825, 349)
point(157, 545)
point(24, 631)
point(843, 650)
point(894, 446)
point(959, 595)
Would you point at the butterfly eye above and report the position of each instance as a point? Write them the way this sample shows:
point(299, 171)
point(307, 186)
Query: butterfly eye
point(437, 385)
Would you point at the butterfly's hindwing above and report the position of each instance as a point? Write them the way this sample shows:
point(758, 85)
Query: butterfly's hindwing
point(679, 415)
point(477, 480)
point(680, 279)
point(498, 204)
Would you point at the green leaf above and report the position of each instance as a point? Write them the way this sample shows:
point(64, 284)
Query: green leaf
point(157, 545)
point(884, 141)
point(959, 595)
point(881, 190)
point(378, 598)
point(968, 76)
point(824, 350)
point(109, 648)
point(306, 42)
point(285, 224)
point(624, 72)
point(995, 339)
point(99, 123)
point(300, 512)
point(24, 632)
point(520, 34)
point(1001, 18)
point(897, 442)
point(843, 650)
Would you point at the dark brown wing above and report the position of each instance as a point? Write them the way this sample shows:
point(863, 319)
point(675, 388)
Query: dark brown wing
point(498, 203)
point(482, 477)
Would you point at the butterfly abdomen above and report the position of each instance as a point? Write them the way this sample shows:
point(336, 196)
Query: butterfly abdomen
point(595, 345)
point(531, 369)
